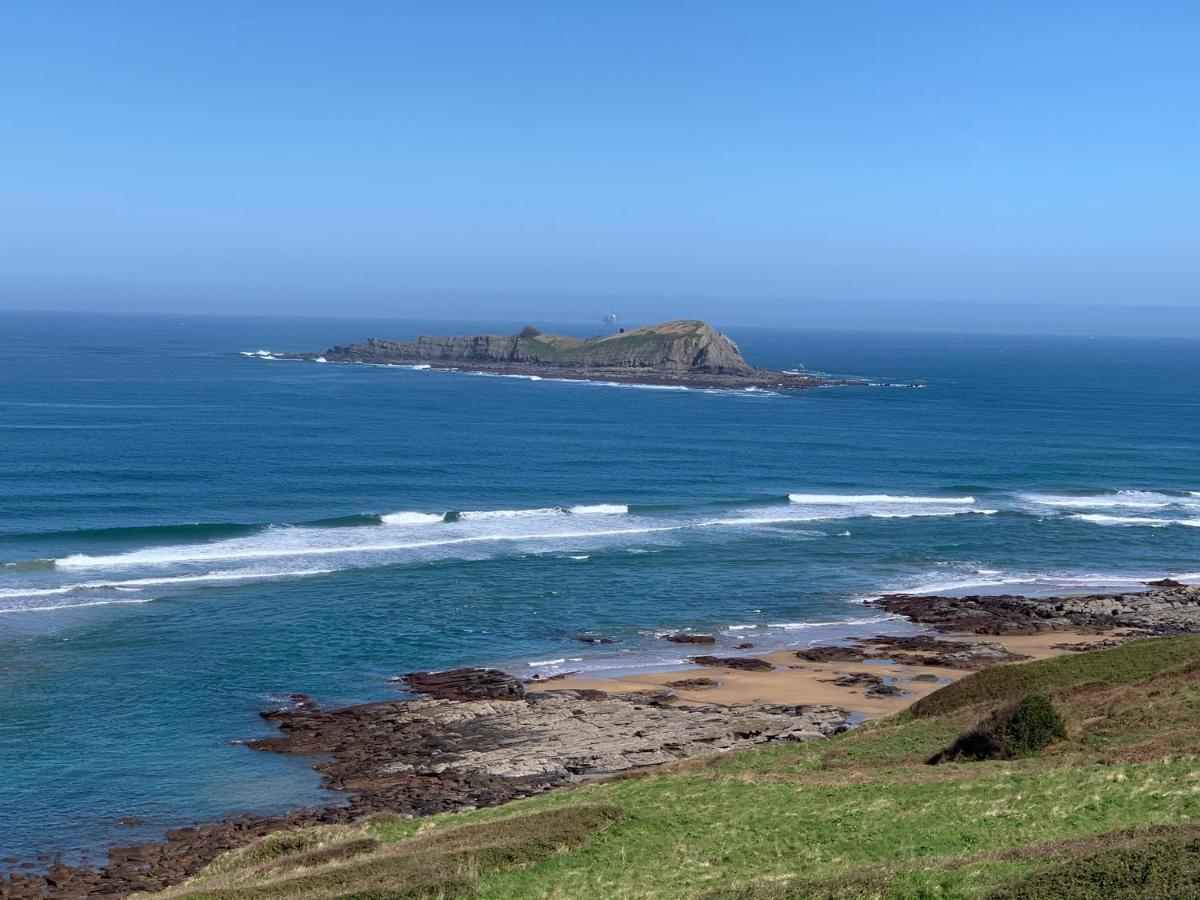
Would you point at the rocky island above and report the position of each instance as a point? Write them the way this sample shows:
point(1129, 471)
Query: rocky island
point(687, 353)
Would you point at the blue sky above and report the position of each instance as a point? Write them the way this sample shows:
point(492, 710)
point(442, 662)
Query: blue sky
point(743, 161)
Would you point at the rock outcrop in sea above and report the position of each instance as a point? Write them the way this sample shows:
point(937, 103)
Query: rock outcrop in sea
point(686, 352)
point(1168, 608)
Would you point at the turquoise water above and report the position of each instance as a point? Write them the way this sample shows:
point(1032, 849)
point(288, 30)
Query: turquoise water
point(191, 533)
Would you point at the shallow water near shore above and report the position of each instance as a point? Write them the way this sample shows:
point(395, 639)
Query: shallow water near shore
point(191, 533)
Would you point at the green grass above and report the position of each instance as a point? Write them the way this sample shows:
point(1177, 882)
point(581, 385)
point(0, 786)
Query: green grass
point(444, 862)
point(1131, 663)
point(1155, 863)
point(860, 815)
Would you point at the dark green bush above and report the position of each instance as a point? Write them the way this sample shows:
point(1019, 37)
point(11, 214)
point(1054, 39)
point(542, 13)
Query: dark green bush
point(1016, 729)
point(1034, 724)
point(1158, 869)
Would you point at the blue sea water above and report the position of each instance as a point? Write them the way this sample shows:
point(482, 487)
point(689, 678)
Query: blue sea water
point(191, 533)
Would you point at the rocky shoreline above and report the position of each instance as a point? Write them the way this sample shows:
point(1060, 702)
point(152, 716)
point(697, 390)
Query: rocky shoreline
point(756, 379)
point(1168, 607)
point(686, 353)
point(480, 737)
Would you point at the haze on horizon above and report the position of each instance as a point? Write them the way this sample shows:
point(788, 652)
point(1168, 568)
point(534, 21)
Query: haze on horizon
point(776, 163)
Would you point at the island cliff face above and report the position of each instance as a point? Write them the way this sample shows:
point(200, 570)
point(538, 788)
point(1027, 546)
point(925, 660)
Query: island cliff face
point(686, 352)
point(684, 346)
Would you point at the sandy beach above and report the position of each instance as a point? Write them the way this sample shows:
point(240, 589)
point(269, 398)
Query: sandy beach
point(797, 681)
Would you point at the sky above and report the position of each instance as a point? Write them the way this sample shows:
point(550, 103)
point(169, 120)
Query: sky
point(750, 162)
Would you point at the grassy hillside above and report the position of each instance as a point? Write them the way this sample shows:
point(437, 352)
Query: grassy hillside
point(1108, 812)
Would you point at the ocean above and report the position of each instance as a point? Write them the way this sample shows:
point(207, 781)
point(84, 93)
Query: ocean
point(192, 530)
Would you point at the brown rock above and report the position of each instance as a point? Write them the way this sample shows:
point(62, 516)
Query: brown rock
point(1169, 607)
point(466, 684)
point(694, 684)
point(855, 679)
point(684, 638)
point(831, 654)
point(746, 663)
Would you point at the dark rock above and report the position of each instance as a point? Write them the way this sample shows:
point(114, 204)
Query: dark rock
point(684, 638)
point(746, 646)
point(539, 678)
point(1166, 583)
point(129, 820)
point(926, 650)
point(925, 676)
point(423, 757)
point(593, 639)
point(570, 694)
point(855, 679)
point(1164, 609)
point(1085, 646)
point(746, 663)
point(466, 684)
point(831, 654)
point(694, 684)
point(883, 690)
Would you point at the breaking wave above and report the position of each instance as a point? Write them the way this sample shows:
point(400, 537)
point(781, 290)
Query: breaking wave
point(139, 583)
point(1113, 500)
point(997, 581)
point(412, 518)
point(178, 556)
point(1140, 521)
point(882, 499)
point(81, 605)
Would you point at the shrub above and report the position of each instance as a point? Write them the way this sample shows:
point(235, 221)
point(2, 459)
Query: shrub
point(1161, 868)
point(1034, 724)
point(1133, 663)
point(1013, 730)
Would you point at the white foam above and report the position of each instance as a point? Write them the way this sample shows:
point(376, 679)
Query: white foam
point(596, 509)
point(600, 509)
point(473, 527)
point(1140, 521)
point(512, 513)
point(626, 384)
point(240, 549)
point(38, 592)
point(580, 557)
point(136, 584)
point(804, 626)
point(822, 513)
point(81, 605)
point(261, 354)
point(888, 499)
point(546, 662)
point(1055, 581)
point(412, 518)
point(1110, 500)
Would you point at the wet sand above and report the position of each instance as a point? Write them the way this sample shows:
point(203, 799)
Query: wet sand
point(798, 681)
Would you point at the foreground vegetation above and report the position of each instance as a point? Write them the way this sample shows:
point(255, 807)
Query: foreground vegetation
point(1107, 811)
